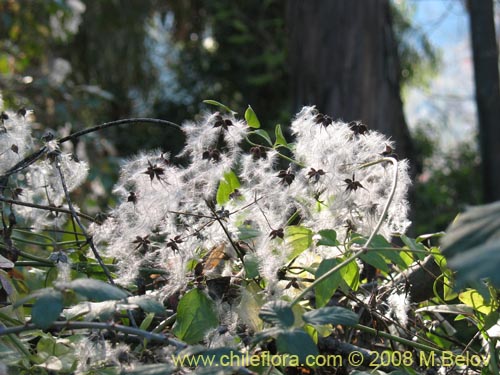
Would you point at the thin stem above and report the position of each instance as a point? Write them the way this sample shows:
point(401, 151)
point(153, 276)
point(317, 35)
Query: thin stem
point(25, 163)
point(99, 326)
point(363, 249)
point(493, 355)
point(40, 262)
point(31, 242)
point(47, 208)
point(116, 123)
point(165, 323)
point(77, 219)
point(401, 340)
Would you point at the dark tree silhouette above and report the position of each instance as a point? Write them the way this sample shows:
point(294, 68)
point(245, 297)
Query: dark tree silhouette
point(344, 59)
point(485, 51)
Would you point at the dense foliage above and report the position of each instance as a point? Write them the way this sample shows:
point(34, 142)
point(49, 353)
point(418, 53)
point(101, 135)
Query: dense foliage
point(227, 252)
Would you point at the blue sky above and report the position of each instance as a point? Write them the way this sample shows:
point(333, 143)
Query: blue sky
point(449, 101)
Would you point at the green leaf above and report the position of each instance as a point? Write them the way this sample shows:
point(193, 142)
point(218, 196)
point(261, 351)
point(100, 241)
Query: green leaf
point(227, 186)
point(350, 276)
point(299, 238)
point(217, 104)
point(328, 238)
point(472, 245)
point(478, 225)
point(251, 263)
point(47, 308)
point(251, 118)
point(277, 313)
point(196, 314)
point(96, 290)
point(147, 304)
point(325, 289)
point(331, 315)
point(412, 244)
point(263, 134)
point(147, 321)
point(297, 343)
point(280, 138)
point(247, 232)
point(475, 300)
point(375, 259)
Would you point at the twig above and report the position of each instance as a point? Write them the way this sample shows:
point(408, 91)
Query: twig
point(116, 123)
point(47, 208)
point(25, 163)
point(99, 326)
point(30, 159)
point(413, 344)
point(77, 219)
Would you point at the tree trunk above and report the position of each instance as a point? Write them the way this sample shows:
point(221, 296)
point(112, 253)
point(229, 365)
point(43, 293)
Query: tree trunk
point(486, 75)
point(344, 59)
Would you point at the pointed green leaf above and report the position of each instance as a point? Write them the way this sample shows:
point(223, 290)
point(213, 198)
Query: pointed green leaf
point(47, 308)
point(96, 290)
point(251, 118)
point(147, 321)
point(350, 276)
point(299, 238)
point(328, 238)
point(412, 244)
point(280, 138)
point(374, 258)
point(227, 186)
point(331, 315)
point(325, 289)
point(196, 314)
point(277, 313)
point(475, 300)
point(217, 104)
point(263, 134)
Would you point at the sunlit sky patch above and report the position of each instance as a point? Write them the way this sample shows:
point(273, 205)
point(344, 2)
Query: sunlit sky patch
point(449, 101)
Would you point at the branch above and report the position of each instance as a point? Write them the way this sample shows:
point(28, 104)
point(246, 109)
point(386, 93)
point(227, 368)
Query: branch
point(116, 123)
point(82, 227)
point(99, 326)
point(30, 159)
point(47, 208)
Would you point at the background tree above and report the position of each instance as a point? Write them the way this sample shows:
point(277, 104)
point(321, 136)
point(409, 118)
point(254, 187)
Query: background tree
point(485, 52)
point(344, 58)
